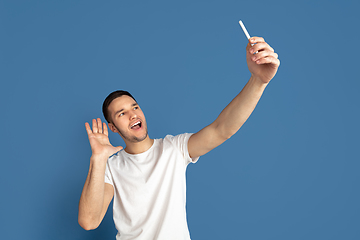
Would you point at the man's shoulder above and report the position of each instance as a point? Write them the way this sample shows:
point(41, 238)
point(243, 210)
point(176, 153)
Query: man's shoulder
point(115, 156)
point(181, 136)
point(177, 140)
point(178, 136)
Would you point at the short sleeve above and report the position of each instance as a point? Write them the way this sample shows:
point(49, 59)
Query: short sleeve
point(181, 142)
point(108, 178)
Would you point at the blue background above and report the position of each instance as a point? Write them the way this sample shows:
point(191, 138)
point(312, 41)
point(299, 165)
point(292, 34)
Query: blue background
point(291, 172)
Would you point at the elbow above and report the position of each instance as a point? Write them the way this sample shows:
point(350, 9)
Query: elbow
point(223, 132)
point(87, 224)
point(87, 227)
point(225, 135)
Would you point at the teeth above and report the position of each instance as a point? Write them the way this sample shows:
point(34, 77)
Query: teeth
point(136, 123)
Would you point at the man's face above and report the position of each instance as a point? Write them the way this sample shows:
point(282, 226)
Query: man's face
point(127, 119)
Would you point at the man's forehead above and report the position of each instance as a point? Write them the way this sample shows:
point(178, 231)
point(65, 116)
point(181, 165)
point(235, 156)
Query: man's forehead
point(122, 102)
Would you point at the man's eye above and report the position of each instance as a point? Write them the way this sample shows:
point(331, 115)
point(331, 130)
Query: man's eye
point(135, 108)
point(121, 114)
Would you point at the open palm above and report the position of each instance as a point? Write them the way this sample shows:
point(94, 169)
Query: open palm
point(99, 139)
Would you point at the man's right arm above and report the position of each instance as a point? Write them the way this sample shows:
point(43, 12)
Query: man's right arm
point(96, 195)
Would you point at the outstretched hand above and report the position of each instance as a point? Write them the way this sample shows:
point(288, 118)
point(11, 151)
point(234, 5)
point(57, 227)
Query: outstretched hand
point(99, 139)
point(262, 61)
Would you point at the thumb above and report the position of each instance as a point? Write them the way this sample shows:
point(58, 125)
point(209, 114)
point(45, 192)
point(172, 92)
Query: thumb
point(118, 148)
point(114, 150)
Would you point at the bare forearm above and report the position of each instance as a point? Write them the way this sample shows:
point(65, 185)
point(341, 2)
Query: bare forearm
point(240, 108)
point(263, 63)
point(92, 197)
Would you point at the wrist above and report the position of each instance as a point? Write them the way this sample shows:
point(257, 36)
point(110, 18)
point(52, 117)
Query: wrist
point(258, 81)
point(99, 158)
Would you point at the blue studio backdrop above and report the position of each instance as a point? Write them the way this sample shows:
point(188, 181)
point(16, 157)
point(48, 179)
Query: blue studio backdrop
point(291, 172)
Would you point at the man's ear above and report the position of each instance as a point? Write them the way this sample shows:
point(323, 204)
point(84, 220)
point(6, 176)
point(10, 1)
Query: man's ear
point(113, 128)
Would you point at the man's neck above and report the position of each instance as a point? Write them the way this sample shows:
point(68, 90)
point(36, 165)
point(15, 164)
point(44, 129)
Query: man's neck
point(139, 147)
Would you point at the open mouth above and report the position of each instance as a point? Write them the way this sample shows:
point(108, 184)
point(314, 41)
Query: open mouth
point(136, 125)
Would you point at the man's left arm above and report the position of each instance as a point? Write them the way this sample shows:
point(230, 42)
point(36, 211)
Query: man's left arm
point(263, 63)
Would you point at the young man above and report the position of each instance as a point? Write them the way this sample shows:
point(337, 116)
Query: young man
point(147, 178)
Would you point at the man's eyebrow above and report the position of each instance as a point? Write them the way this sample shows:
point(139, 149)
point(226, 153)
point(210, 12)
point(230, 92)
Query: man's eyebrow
point(116, 113)
point(119, 111)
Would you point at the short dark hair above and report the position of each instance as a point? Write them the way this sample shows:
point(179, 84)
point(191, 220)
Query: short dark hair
point(109, 99)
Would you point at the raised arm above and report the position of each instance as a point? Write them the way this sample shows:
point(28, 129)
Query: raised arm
point(96, 195)
point(263, 63)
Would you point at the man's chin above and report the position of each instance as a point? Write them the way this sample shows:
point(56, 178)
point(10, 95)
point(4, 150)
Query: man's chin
point(134, 139)
point(138, 139)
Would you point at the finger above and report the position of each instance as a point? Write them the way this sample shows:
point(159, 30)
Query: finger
point(94, 125)
point(263, 54)
point(260, 47)
point(248, 46)
point(269, 60)
point(105, 129)
point(88, 129)
point(254, 40)
point(99, 125)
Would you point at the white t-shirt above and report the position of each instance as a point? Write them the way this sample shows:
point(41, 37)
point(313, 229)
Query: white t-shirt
point(150, 190)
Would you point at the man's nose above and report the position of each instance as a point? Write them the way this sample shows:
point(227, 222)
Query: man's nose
point(133, 115)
